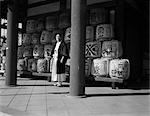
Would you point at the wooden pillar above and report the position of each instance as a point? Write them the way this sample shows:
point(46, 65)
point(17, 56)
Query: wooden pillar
point(0, 22)
point(63, 5)
point(120, 23)
point(77, 79)
point(12, 42)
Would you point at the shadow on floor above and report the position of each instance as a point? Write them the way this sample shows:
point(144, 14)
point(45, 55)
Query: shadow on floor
point(35, 85)
point(133, 86)
point(55, 93)
point(117, 94)
point(97, 84)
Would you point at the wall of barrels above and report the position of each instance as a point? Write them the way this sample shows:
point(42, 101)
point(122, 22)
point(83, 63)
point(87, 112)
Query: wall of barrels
point(103, 50)
point(3, 36)
point(2, 57)
point(38, 40)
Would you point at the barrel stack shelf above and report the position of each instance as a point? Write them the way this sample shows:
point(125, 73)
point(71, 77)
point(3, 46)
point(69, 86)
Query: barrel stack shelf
point(104, 49)
point(3, 36)
point(2, 59)
point(37, 41)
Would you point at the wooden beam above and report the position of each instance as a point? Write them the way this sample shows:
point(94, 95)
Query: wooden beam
point(42, 3)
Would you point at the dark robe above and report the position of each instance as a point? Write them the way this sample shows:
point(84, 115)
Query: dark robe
point(62, 51)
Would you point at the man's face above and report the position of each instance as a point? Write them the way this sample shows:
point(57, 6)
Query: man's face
point(58, 38)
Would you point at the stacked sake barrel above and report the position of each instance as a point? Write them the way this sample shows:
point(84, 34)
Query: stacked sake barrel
point(93, 49)
point(2, 57)
point(34, 42)
point(93, 45)
point(35, 50)
point(2, 63)
point(89, 38)
point(24, 50)
point(104, 50)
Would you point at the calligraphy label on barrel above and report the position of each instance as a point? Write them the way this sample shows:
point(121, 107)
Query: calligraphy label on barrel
point(93, 49)
point(35, 38)
point(100, 66)
point(31, 26)
point(28, 51)
point(38, 51)
point(112, 49)
point(119, 68)
point(41, 65)
point(46, 37)
point(104, 32)
point(68, 35)
point(21, 64)
point(26, 39)
point(98, 15)
point(32, 65)
point(47, 50)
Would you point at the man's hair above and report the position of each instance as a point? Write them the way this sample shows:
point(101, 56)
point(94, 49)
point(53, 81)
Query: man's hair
point(61, 35)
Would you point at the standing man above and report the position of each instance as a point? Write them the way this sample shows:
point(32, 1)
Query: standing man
point(59, 56)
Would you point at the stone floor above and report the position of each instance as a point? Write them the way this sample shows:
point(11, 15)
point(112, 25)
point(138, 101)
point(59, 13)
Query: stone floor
point(39, 98)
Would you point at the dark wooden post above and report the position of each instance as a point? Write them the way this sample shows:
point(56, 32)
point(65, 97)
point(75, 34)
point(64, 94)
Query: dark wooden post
point(0, 21)
point(128, 28)
point(12, 42)
point(120, 22)
point(63, 4)
point(77, 79)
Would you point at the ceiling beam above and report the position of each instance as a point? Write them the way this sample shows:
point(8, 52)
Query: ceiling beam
point(41, 3)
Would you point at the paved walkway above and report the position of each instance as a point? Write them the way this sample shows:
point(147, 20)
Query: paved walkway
point(40, 98)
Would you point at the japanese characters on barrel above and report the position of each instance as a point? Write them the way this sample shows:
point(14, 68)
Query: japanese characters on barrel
point(103, 51)
point(106, 50)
